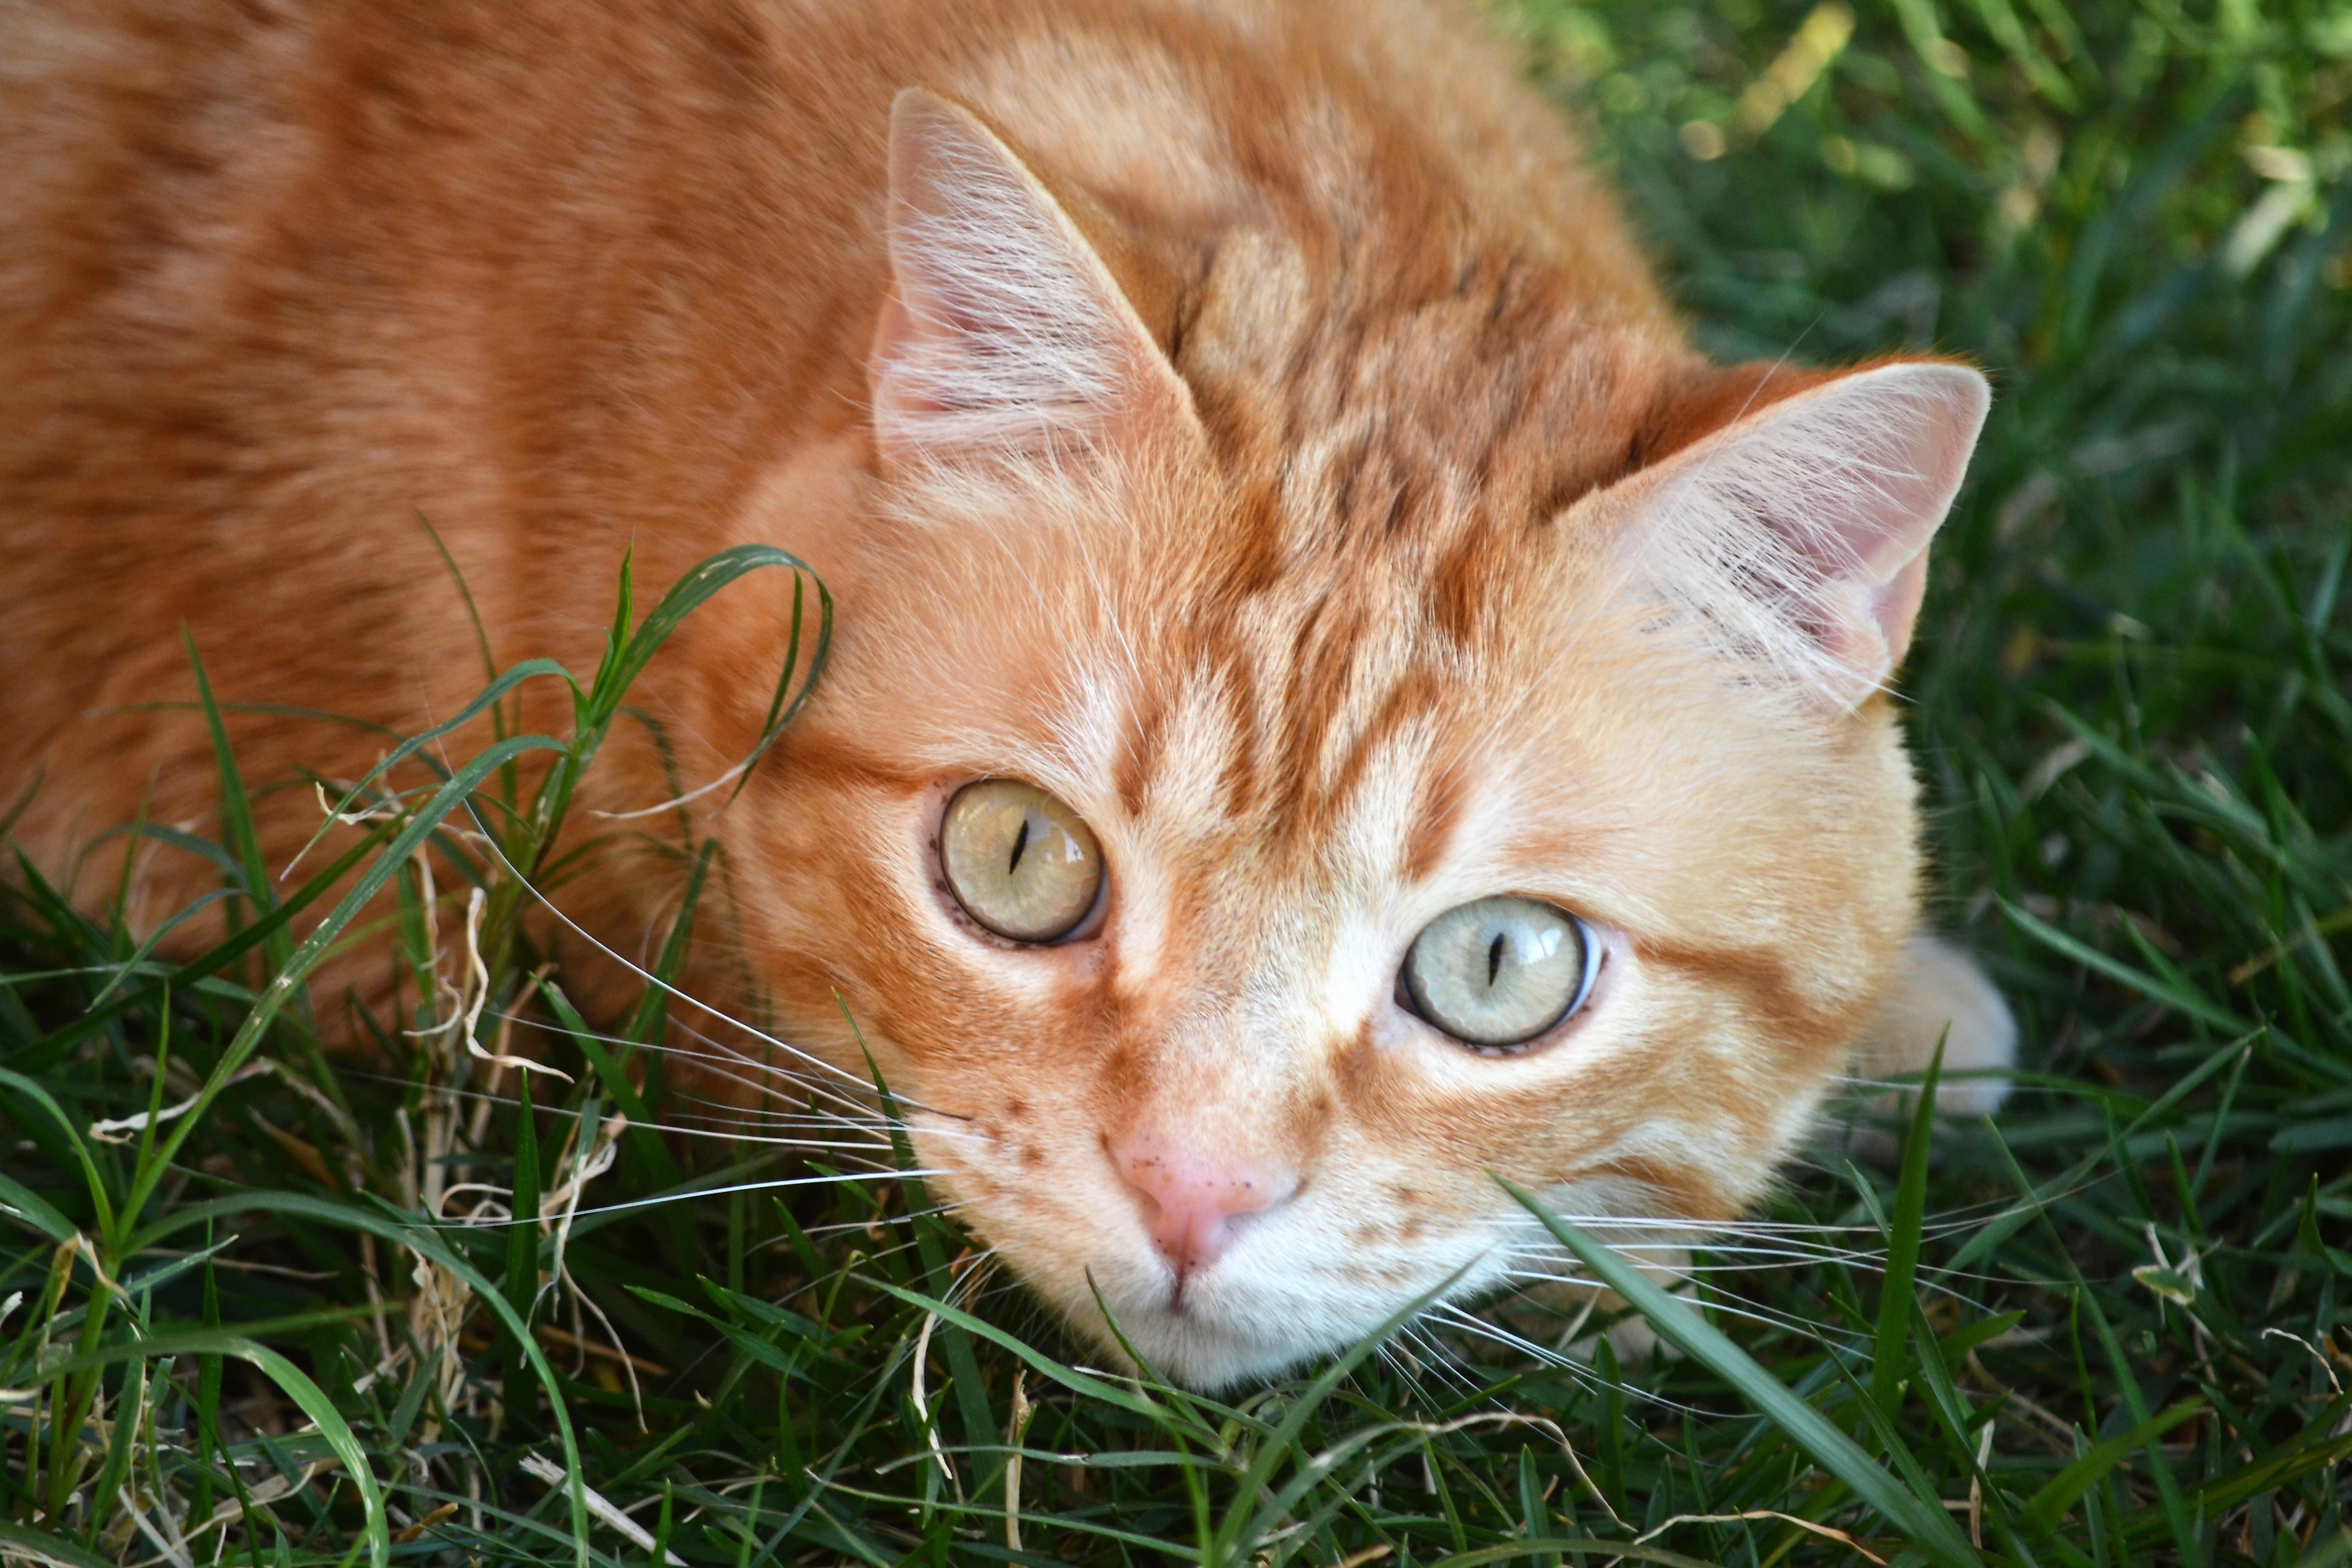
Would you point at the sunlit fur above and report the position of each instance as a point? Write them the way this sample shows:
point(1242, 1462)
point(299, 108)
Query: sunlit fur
point(1272, 446)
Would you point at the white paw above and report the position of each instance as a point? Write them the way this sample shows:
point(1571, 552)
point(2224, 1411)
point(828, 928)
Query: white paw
point(1942, 989)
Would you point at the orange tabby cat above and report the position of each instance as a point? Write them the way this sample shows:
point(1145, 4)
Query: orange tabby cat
point(1335, 699)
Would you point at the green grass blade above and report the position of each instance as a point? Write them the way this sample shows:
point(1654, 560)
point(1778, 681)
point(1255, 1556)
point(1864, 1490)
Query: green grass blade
point(2180, 998)
point(403, 1232)
point(1250, 1517)
point(297, 969)
point(292, 1380)
point(1624, 1550)
point(2041, 1510)
point(40, 1546)
point(1903, 1247)
point(1069, 1377)
point(237, 808)
point(1924, 1523)
point(96, 1184)
point(686, 595)
point(27, 1207)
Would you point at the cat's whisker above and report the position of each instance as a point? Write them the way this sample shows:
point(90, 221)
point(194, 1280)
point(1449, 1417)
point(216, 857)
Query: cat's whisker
point(983, 1267)
point(858, 1116)
point(1431, 1354)
point(877, 1142)
point(1583, 1372)
point(1471, 1322)
point(1778, 1254)
point(764, 1069)
point(726, 1112)
point(655, 981)
point(719, 1053)
point(837, 1227)
point(878, 1129)
point(779, 1182)
point(1731, 1305)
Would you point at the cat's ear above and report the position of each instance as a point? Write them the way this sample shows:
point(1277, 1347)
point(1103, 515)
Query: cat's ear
point(1797, 532)
point(1004, 332)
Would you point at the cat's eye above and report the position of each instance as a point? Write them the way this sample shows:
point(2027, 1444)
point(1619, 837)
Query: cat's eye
point(1500, 971)
point(1020, 862)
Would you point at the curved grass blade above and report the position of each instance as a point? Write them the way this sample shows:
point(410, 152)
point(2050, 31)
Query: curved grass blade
point(1225, 1546)
point(40, 1096)
point(40, 1546)
point(2043, 1507)
point(27, 1207)
point(686, 595)
point(402, 1232)
point(298, 1386)
point(1903, 1246)
point(1925, 1523)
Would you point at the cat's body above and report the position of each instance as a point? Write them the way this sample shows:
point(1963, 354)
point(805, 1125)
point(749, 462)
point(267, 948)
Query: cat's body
point(1272, 447)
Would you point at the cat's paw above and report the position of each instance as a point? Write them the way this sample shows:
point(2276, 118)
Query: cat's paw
point(1942, 989)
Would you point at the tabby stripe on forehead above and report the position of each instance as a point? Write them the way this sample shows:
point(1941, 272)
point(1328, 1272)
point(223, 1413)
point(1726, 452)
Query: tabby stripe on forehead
point(1443, 797)
point(1413, 696)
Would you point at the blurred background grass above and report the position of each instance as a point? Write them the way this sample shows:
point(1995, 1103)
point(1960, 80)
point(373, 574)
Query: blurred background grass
point(2108, 1331)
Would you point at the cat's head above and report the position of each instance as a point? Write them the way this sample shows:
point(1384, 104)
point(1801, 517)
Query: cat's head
point(1284, 767)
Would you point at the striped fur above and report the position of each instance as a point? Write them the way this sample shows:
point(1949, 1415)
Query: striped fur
point(1244, 420)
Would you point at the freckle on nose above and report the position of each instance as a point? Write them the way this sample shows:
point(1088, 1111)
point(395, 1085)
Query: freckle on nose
point(1191, 1206)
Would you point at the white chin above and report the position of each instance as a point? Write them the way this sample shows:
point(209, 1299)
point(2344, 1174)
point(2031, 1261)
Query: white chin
point(1217, 1349)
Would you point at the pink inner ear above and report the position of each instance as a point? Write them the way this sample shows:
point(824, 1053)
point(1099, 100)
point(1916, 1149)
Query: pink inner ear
point(1800, 534)
point(1903, 436)
point(1002, 330)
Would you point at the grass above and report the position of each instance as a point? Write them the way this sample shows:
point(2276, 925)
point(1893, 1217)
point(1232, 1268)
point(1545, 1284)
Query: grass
point(2103, 1331)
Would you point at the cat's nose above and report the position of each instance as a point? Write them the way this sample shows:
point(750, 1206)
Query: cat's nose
point(1191, 1204)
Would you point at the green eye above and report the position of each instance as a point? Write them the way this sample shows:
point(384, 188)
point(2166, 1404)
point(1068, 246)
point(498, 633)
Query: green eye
point(1500, 971)
point(1019, 861)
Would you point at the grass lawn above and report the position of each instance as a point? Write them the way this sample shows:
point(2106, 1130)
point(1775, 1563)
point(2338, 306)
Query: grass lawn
point(2103, 1332)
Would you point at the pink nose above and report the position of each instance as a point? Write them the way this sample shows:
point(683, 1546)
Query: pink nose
point(1191, 1206)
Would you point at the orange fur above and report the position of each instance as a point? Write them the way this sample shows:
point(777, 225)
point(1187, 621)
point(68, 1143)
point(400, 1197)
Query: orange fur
point(1305, 561)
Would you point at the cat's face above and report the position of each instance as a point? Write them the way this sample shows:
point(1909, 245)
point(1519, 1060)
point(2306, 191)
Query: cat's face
point(1234, 887)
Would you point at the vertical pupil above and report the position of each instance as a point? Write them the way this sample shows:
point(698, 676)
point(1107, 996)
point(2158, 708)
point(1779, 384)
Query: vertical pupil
point(1495, 958)
point(1020, 843)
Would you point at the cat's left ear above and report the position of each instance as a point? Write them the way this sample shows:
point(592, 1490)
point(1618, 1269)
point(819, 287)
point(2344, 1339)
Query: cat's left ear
point(1797, 534)
point(1004, 333)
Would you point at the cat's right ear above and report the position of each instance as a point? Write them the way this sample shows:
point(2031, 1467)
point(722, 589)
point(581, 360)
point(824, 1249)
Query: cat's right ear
point(1004, 335)
point(1794, 534)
